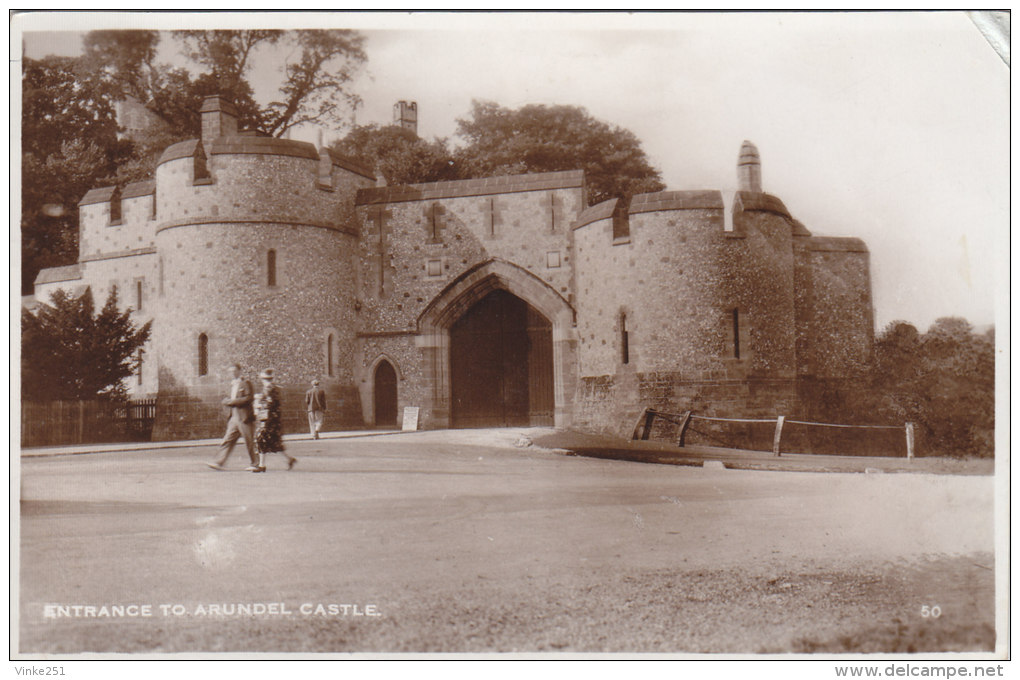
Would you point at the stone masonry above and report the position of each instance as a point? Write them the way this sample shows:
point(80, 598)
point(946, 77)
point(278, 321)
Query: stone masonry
point(273, 253)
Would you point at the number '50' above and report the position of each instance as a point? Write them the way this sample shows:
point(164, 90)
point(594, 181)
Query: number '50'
point(931, 612)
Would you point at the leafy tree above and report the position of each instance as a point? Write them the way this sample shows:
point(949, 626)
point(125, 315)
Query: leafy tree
point(69, 140)
point(943, 381)
point(398, 154)
point(315, 85)
point(69, 135)
point(51, 188)
point(122, 62)
point(59, 100)
point(70, 352)
point(538, 138)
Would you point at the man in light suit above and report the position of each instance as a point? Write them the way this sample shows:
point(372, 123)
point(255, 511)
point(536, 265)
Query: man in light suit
point(241, 422)
point(315, 404)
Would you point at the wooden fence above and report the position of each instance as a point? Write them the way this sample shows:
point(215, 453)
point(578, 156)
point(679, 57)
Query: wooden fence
point(679, 425)
point(57, 423)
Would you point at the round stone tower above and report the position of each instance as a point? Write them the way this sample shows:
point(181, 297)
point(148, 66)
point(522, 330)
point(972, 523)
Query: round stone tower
point(253, 244)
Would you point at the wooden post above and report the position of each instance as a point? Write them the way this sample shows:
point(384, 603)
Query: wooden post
point(910, 440)
point(644, 424)
point(637, 426)
point(683, 428)
point(649, 419)
point(779, 434)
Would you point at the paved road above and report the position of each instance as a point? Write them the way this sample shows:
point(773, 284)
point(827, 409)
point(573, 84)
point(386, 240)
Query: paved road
point(464, 543)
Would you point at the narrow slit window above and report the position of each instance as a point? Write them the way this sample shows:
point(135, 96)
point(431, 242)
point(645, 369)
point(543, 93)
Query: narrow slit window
point(201, 169)
point(434, 224)
point(621, 220)
point(736, 333)
point(329, 355)
point(115, 208)
point(552, 212)
point(624, 339)
point(271, 268)
point(138, 295)
point(141, 353)
point(203, 354)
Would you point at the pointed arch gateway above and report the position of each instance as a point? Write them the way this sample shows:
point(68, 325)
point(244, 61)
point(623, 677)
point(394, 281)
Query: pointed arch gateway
point(498, 349)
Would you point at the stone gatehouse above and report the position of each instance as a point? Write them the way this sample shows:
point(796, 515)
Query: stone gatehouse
point(484, 302)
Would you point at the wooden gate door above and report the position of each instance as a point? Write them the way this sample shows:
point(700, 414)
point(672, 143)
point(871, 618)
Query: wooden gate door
point(385, 394)
point(497, 377)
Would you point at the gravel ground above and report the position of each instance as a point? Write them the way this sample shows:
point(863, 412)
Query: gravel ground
point(468, 544)
point(864, 609)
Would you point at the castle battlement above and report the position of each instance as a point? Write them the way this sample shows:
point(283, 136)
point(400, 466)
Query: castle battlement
point(479, 300)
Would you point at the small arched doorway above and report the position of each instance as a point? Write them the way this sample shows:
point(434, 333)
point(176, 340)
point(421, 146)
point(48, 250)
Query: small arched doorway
point(501, 364)
point(385, 394)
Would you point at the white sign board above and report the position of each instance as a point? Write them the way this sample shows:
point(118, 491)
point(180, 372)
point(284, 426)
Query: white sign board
point(410, 418)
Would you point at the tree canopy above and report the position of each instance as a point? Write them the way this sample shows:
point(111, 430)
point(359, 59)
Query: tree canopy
point(70, 140)
point(942, 380)
point(398, 154)
point(70, 352)
point(500, 141)
point(539, 138)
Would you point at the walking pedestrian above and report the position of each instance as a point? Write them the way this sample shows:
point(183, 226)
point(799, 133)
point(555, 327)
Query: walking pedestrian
point(315, 404)
point(269, 413)
point(240, 422)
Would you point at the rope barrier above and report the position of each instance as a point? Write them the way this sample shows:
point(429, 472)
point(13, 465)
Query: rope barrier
point(686, 418)
point(738, 420)
point(773, 420)
point(867, 427)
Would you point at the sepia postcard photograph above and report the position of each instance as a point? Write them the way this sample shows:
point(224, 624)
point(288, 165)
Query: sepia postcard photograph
point(510, 336)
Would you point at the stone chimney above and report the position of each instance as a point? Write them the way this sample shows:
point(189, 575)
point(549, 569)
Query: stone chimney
point(749, 168)
point(219, 118)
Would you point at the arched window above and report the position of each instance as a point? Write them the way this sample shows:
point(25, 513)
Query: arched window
point(329, 355)
point(203, 354)
point(271, 268)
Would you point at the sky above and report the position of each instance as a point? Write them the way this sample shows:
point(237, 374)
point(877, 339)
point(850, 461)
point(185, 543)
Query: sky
point(889, 127)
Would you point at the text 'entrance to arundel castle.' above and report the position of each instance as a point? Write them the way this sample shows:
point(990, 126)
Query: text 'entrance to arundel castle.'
point(501, 364)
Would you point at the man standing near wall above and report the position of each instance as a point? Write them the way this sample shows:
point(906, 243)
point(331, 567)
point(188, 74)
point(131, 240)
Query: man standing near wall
point(315, 404)
point(241, 422)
